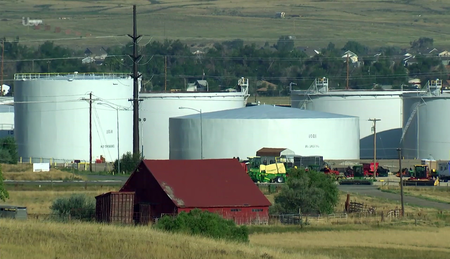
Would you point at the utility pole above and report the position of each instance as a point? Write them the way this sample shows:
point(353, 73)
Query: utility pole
point(399, 150)
point(347, 72)
point(90, 100)
point(165, 73)
point(1, 77)
point(374, 120)
point(135, 57)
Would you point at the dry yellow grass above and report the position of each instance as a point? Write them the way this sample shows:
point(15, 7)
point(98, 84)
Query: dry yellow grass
point(25, 172)
point(38, 202)
point(408, 242)
point(34, 239)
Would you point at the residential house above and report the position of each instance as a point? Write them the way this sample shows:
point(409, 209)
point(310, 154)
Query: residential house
point(309, 51)
point(198, 86)
point(94, 55)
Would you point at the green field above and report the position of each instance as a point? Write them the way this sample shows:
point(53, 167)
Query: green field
point(313, 22)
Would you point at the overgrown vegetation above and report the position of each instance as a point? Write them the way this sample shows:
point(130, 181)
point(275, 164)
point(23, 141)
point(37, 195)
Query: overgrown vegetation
point(275, 66)
point(128, 163)
point(204, 223)
point(8, 150)
point(3, 192)
point(307, 192)
point(75, 207)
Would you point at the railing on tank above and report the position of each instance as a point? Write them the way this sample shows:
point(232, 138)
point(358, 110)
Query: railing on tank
point(66, 76)
point(6, 126)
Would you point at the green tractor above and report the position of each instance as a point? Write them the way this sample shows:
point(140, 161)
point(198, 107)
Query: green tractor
point(355, 175)
point(260, 173)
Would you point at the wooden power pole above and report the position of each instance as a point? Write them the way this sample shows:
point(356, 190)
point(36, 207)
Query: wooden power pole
point(399, 150)
point(347, 72)
point(135, 57)
point(1, 72)
point(90, 100)
point(374, 120)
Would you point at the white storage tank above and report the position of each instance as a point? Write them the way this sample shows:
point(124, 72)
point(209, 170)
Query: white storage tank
point(6, 117)
point(242, 132)
point(157, 108)
point(385, 105)
point(426, 124)
point(52, 115)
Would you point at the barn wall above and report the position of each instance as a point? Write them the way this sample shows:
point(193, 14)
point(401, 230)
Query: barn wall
point(240, 215)
point(149, 191)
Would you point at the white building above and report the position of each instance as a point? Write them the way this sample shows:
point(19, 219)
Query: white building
point(6, 117)
point(242, 132)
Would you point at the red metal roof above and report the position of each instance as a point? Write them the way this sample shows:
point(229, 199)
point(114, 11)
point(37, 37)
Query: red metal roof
point(206, 183)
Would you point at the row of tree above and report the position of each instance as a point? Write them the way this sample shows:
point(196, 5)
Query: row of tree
point(171, 64)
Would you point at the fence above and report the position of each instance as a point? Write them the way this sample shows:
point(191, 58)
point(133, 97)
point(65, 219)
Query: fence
point(62, 163)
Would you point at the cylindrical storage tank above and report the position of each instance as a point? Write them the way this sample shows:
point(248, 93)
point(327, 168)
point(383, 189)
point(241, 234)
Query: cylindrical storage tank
point(52, 116)
point(242, 132)
point(384, 105)
point(427, 135)
point(157, 108)
point(6, 117)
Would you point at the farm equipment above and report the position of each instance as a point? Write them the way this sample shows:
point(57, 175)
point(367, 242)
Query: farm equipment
point(260, 173)
point(355, 176)
point(368, 170)
point(422, 176)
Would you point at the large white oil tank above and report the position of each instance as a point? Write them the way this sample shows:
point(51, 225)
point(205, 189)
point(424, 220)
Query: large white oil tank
point(242, 132)
point(426, 124)
point(385, 105)
point(52, 116)
point(157, 108)
point(6, 117)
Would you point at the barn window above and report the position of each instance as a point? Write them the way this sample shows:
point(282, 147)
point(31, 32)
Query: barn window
point(235, 209)
point(257, 210)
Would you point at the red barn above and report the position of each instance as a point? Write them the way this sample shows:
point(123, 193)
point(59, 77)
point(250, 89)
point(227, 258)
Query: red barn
point(216, 185)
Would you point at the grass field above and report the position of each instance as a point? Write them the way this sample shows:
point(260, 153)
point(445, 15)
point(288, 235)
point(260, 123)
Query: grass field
point(25, 172)
point(85, 240)
point(314, 23)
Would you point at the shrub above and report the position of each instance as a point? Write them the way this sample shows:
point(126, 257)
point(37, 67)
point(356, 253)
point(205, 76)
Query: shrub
point(308, 191)
point(128, 163)
point(204, 223)
point(8, 150)
point(77, 206)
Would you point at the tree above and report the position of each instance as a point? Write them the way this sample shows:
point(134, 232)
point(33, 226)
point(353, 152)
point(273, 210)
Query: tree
point(3, 192)
point(8, 150)
point(308, 191)
point(285, 44)
point(128, 163)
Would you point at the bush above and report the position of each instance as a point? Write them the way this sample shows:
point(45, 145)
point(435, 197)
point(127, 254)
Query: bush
point(77, 206)
point(8, 150)
point(128, 163)
point(309, 191)
point(204, 223)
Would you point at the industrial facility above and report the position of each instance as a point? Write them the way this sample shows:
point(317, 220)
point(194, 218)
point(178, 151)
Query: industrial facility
point(385, 105)
point(425, 125)
point(157, 108)
point(69, 116)
point(241, 132)
point(159, 187)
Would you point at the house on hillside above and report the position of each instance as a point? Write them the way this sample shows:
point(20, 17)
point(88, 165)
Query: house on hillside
point(94, 55)
point(309, 52)
point(217, 185)
point(353, 58)
point(198, 86)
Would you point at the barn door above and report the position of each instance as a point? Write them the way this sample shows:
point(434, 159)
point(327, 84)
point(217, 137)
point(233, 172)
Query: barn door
point(144, 213)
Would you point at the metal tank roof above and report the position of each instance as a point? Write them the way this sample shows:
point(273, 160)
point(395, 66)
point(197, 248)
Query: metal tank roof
point(267, 112)
point(70, 76)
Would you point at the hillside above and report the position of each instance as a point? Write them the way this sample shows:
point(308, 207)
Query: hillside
point(313, 22)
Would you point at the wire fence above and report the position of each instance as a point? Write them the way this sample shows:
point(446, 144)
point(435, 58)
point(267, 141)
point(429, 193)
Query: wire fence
point(79, 165)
